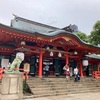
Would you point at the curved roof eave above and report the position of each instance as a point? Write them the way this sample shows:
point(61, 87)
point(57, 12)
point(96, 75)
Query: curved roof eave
point(51, 34)
point(58, 32)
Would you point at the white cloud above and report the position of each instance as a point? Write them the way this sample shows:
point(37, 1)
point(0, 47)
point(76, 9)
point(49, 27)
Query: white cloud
point(60, 13)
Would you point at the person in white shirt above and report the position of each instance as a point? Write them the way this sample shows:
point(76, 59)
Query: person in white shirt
point(66, 69)
point(76, 73)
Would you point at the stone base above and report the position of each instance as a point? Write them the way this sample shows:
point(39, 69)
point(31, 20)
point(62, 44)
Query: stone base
point(11, 87)
point(10, 97)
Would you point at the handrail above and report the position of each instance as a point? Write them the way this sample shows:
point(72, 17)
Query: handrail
point(96, 74)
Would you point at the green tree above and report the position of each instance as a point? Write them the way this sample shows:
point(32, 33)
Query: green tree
point(94, 37)
point(82, 36)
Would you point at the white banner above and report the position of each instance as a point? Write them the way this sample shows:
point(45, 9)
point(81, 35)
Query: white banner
point(4, 63)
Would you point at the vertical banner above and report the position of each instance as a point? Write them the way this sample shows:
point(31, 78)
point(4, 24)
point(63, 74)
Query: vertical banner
point(4, 63)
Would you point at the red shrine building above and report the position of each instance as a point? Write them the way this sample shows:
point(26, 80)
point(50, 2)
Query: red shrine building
point(43, 44)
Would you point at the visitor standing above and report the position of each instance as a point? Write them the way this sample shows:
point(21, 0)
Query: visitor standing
point(26, 69)
point(76, 73)
point(46, 70)
point(66, 69)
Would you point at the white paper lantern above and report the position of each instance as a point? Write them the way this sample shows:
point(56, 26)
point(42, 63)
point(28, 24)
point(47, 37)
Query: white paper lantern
point(37, 60)
point(75, 53)
point(20, 54)
point(23, 43)
point(51, 53)
point(85, 62)
point(59, 54)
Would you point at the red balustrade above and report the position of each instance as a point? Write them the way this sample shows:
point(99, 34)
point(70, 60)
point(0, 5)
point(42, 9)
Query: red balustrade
point(96, 74)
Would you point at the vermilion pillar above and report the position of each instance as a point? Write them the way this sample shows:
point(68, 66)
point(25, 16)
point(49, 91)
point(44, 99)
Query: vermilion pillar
point(81, 69)
point(67, 59)
point(40, 63)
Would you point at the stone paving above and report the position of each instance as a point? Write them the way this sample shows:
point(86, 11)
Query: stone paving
point(80, 96)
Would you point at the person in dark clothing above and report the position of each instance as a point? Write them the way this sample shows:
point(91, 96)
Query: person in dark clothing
point(46, 70)
point(76, 73)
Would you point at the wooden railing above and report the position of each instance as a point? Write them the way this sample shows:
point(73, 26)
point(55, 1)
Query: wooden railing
point(1, 72)
point(24, 74)
point(96, 74)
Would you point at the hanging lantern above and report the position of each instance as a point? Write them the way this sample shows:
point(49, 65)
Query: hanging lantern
point(23, 43)
point(85, 62)
point(51, 53)
point(47, 48)
point(59, 54)
point(89, 53)
point(37, 60)
point(75, 53)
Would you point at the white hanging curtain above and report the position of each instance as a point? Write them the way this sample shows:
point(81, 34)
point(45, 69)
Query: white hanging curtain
point(4, 63)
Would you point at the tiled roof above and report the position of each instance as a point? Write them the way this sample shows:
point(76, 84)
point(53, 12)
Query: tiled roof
point(31, 26)
point(94, 56)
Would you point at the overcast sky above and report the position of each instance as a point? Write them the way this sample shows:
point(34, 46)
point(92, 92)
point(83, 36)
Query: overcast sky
point(58, 13)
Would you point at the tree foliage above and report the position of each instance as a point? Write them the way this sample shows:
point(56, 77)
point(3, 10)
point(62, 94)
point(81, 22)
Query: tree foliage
point(82, 36)
point(94, 37)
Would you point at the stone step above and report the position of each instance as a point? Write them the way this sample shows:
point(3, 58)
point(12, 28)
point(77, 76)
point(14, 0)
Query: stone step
point(67, 86)
point(66, 89)
point(64, 80)
point(62, 85)
point(60, 82)
point(69, 91)
point(57, 93)
point(58, 86)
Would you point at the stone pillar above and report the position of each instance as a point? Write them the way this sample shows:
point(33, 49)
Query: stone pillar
point(11, 87)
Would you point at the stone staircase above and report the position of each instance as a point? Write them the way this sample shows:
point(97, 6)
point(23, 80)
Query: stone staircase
point(41, 87)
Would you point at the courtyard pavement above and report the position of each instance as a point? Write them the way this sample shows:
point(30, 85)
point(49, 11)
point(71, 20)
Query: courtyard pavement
point(80, 96)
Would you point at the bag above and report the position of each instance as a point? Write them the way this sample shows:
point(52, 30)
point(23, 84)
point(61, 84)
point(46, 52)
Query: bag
point(78, 77)
point(64, 68)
